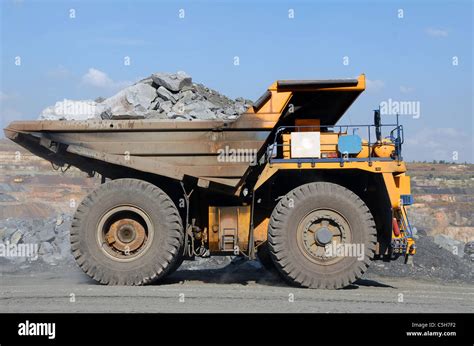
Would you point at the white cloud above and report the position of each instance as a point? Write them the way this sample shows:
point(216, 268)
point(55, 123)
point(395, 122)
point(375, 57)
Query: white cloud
point(97, 78)
point(374, 85)
point(406, 89)
point(100, 79)
point(434, 32)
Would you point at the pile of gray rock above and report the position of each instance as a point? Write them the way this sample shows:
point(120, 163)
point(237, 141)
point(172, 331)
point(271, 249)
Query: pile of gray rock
point(469, 251)
point(29, 242)
point(160, 96)
point(452, 245)
point(438, 257)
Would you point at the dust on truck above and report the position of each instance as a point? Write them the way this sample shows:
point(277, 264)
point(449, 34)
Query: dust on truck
point(282, 182)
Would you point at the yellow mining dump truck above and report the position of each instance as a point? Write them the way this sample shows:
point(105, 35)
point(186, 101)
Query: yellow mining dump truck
point(282, 182)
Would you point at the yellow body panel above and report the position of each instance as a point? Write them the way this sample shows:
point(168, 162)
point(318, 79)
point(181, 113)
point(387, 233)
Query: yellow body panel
point(396, 185)
point(286, 137)
point(364, 153)
point(261, 230)
point(329, 141)
point(376, 167)
point(276, 103)
point(228, 218)
point(384, 149)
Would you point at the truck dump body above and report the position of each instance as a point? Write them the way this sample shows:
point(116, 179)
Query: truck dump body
point(176, 149)
point(172, 149)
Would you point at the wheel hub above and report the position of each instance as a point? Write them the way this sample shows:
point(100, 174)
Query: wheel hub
point(126, 235)
point(319, 229)
point(323, 236)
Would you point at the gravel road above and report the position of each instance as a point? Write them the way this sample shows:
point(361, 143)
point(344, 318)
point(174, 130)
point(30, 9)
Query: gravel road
point(251, 290)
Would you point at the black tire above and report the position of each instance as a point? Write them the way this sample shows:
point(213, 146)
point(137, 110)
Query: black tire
point(175, 266)
point(265, 258)
point(159, 223)
point(290, 217)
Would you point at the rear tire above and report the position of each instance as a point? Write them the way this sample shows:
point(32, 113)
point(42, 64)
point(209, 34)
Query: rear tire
point(265, 258)
point(126, 232)
point(307, 221)
point(177, 263)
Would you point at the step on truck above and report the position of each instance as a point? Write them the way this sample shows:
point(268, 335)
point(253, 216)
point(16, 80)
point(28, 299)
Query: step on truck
point(313, 200)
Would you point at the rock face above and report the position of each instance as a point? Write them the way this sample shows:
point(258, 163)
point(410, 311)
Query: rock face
point(160, 96)
point(469, 251)
point(35, 241)
point(132, 101)
point(173, 82)
point(450, 244)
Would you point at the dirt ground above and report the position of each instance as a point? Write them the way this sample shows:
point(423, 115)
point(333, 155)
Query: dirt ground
point(249, 289)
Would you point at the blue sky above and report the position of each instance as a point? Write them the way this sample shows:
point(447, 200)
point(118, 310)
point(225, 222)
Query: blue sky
point(405, 59)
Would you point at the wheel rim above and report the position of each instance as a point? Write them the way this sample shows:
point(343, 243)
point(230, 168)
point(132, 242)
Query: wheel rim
point(125, 233)
point(319, 229)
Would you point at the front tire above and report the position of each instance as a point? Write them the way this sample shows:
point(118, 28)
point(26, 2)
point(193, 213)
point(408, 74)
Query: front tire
point(313, 219)
point(126, 232)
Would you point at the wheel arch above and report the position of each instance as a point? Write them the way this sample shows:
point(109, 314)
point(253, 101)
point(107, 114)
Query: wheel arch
point(369, 187)
point(354, 225)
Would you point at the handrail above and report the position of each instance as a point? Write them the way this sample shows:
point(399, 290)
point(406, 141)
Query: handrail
point(397, 141)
